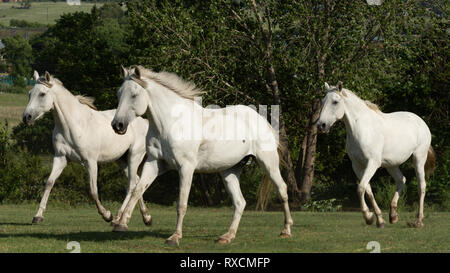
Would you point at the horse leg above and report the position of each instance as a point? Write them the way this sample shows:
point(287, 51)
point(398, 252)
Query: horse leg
point(400, 181)
point(359, 171)
point(419, 165)
point(93, 169)
point(149, 173)
point(59, 163)
point(231, 181)
point(186, 173)
point(124, 166)
point(366, 175)
point(270, 163)
point(380, 221)
point(131, 169)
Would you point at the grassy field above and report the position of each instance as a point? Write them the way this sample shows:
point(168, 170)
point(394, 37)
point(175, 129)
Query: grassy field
point(41, 12)
point(11, 107)
point(258, 232)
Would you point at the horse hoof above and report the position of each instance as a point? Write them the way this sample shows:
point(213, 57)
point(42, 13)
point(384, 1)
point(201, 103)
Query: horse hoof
point(37, 219)
point(148, 221)
point(393, 219)
point(380, 225)
point(285, 235)
point(120, 228)
point(173, 242)
point(223, 241)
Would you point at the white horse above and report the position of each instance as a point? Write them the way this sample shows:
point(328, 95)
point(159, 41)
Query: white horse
point(376, 139)
point(186, 137)
point(84, 135)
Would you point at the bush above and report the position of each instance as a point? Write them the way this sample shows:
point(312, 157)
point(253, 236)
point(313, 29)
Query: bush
point(25, 24)
point(20, 172)
point(327, 205)
point(37, 139)
point(6, 88)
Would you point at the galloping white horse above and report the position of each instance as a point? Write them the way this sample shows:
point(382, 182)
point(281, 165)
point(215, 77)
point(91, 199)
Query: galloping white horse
point(186, 137)
point(376, 139)
point(84, 135)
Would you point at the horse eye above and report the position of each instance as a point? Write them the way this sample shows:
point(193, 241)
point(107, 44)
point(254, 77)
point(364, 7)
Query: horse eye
point(42, 94)
point(335, 102)
point(134, 96)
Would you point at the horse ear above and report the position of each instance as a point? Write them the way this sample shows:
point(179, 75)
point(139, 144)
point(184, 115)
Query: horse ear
point(47, 76)
point(327, 86)
point(35, 75)
point(339, 86)
point(124, 72)
point(137, 72)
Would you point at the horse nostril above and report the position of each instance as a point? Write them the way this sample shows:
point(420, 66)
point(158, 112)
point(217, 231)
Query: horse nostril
point(26, 118)
point(322, 125)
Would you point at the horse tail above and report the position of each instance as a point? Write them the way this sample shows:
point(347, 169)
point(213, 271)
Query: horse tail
point(266, 187)
point(430, 164)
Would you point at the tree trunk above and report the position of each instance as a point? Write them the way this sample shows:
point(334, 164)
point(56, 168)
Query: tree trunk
point(301, 160)
point(310, 154)
point(311, 141)
point(287, 170)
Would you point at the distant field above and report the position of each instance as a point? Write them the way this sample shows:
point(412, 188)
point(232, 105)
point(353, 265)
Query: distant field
point(258, 231)
point(41, 12)
point(11, 107)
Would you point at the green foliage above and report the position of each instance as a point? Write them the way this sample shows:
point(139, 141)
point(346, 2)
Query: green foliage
point(25, 24)
point(85, 52)
point(15, 89)
point(20, 172)
point(36, 139)
point(19, 53)
point(384, 192)
point(328, 205)
point(25, 4)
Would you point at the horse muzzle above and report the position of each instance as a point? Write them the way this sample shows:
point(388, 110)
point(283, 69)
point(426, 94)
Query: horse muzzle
point(119, 127)
point(27, 119)
point(323, 127)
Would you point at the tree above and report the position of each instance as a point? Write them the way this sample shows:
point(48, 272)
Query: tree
point(18, 52)
point(85, 51)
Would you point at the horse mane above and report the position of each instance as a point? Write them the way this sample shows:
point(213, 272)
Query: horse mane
point(369, 104)
point(89, 101)
point(171, 81)
point(372, 106)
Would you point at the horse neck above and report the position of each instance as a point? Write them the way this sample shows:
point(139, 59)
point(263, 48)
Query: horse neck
point(355, 108)
point(66, 107)
point(161, 107)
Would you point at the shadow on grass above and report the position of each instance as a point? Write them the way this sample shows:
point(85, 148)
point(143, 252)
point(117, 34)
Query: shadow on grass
point(15, 224)
point(93, 236)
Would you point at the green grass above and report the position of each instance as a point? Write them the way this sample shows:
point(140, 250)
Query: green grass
point(258, 231)
point(41, 12)
point(11, 107)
